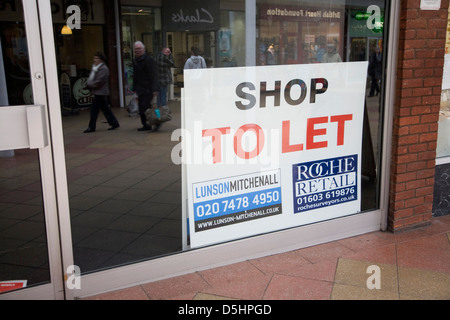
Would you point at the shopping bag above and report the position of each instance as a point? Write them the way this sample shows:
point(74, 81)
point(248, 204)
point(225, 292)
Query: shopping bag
point(157, 116)
point(164, 114)
point(133, 107)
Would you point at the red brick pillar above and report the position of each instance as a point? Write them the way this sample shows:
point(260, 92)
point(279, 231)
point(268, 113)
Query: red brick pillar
point(421, 51)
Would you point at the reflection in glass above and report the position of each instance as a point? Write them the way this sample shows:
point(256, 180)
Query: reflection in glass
point(125, 192)
point(23, 242)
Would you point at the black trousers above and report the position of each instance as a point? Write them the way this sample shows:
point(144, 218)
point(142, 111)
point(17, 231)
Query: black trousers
point(102, 103)
point(144, 101)
point(374, 87)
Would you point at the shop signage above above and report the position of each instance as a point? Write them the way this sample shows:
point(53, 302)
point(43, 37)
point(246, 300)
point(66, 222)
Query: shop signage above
point(270, 148)
point(195, 15)
point(303, 14)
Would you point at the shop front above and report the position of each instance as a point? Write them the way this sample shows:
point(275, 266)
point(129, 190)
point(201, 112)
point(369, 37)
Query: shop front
point(300, 34)
point(259, 158)
point(180, 26)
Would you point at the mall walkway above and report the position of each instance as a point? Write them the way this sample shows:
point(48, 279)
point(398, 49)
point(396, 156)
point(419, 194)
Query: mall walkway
point(413, 264)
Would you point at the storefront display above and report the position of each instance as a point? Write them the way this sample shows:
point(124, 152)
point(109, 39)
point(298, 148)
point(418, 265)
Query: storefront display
point(281, 133)
point(195, 15)
point(318, 26)
point(249, 173)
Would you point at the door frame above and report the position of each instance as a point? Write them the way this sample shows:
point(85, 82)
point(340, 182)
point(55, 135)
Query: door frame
point(39, 31)
point(57, 143)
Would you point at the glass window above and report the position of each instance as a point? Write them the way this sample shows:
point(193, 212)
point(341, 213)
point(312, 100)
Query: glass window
point(16, 68)
point(231, 39)
point(306, 33)
point(125, 187)
point(23, 237)
point(139, 23)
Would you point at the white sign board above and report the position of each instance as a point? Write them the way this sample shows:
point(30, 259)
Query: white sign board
point(430, 4)
point(446, 73)
point(269, 148)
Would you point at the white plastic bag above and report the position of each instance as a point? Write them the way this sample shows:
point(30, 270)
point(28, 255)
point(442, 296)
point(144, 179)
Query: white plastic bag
point(133, 107)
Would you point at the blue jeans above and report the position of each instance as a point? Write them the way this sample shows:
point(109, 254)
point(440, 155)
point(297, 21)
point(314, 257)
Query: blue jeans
point(162, 96)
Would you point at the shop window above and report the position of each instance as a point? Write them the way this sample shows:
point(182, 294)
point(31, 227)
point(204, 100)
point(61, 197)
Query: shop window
point(231, 38)
point(21, 201)
point(302, 32)
point(305, 35)
point(14, 56)
point(139, 23)
point(288, 36)
point(74, 53)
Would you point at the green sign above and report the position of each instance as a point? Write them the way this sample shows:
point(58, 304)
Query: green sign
point(376, 25)
point(362, 15)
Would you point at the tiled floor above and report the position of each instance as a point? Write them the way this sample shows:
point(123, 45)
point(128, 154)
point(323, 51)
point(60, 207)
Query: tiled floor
point(413, 264)
point(124, 190)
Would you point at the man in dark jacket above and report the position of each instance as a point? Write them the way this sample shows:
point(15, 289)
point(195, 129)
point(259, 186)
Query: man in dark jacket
point(145, 81)
point(375, 70)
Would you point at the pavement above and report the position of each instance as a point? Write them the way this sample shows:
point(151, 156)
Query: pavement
point(409, 265)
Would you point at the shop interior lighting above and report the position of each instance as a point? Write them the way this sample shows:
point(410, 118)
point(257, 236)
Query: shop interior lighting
point(140, 12)
point(66, 30)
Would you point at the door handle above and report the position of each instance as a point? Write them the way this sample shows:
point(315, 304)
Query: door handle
point(23, 127)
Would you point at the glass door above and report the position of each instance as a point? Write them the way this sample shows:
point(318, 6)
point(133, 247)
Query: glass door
point(30, 259)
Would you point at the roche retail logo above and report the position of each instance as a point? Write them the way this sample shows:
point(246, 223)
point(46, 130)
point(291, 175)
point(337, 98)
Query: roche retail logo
point(73, 277)
point(74, 20)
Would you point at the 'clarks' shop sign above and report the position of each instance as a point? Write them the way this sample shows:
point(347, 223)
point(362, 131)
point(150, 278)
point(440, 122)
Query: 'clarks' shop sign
point(194, 15)
point(269, 148)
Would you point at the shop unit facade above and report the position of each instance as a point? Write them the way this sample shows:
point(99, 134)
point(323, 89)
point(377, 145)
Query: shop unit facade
point(388, 172)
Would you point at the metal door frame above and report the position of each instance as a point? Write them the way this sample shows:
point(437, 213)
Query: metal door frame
point(43, 120)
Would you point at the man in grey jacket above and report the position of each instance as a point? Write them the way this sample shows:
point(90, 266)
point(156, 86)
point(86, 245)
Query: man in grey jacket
point(98, 84)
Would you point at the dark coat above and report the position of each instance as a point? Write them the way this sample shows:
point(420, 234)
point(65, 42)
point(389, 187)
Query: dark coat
point(145, 75)
point(375, 66)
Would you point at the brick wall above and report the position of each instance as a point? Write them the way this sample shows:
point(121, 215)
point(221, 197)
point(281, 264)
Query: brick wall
point(417, 103)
